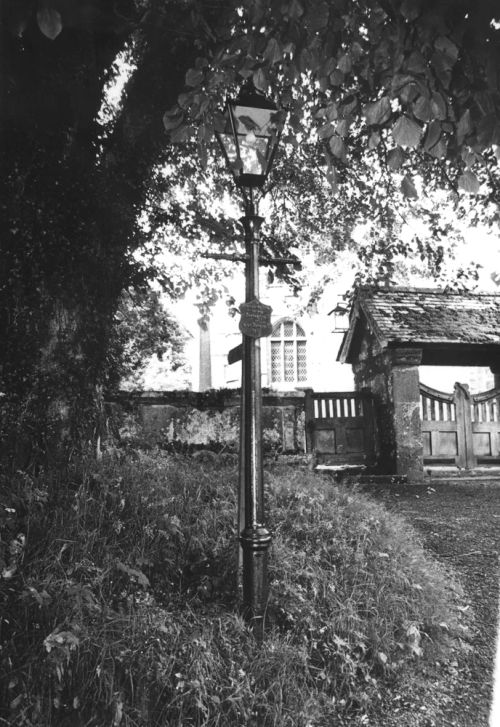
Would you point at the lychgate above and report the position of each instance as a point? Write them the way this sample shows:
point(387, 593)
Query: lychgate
point(394, 331)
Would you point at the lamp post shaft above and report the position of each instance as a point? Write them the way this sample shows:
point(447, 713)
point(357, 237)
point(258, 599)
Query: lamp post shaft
point(254, 536)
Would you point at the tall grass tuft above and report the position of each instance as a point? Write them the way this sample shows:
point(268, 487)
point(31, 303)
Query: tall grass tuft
point(121, 608)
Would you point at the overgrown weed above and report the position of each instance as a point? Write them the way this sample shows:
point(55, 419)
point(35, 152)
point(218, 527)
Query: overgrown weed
point(122, 607)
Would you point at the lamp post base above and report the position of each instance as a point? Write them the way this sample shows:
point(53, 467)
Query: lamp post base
point(255, 542)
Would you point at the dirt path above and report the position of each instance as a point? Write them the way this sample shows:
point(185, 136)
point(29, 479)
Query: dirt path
point(460, 524)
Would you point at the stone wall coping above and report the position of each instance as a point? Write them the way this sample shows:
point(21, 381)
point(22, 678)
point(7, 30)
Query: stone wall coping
point(212, 399)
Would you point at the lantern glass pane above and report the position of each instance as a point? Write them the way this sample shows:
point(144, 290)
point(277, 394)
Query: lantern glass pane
point(230, 149)
point(249, 119)
point(229, 146)
point(253, 153)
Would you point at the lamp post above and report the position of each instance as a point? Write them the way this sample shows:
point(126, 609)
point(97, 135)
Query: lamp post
point(249, 142)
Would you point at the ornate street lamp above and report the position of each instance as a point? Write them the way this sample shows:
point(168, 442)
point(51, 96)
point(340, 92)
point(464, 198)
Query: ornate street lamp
point(249, 141)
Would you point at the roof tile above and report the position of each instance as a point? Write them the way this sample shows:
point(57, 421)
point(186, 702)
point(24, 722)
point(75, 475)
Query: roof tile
point(419, 315)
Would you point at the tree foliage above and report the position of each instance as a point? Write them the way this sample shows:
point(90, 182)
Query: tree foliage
point(143, 328)
point(407, 75)
point(387, 103)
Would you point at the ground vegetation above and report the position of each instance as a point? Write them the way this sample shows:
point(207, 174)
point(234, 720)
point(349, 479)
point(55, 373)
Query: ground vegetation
point(119, 604)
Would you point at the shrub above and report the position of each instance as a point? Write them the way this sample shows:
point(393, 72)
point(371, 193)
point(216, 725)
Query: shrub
point(124, 610)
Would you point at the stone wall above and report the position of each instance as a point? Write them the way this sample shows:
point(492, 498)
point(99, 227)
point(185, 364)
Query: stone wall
point(186, 420)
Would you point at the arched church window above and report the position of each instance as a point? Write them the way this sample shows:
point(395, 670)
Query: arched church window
point(288, 353)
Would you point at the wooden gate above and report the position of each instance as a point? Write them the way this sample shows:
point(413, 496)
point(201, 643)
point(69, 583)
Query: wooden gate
point(460, 428)
point(340, 427)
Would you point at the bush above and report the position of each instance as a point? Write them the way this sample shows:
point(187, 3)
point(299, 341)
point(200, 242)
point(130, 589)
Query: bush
point(122, 609)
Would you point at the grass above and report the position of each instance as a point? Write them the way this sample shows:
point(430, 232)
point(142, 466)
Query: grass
point(122, 608)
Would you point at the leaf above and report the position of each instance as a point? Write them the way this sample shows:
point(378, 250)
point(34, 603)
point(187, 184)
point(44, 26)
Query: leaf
point(433, 135)
point(416, 63)
point(294, 10)
point(337, 147)
point(464, 126)
point(273, 52)
point(326, 131)
point(438, 105)
point(180, 134)
point(184, 100)
point(50, 22)
point(342, 127)
point(337, 77)
point(406, 132)
point(408, 92)
point(332, 111)
point(172, 121)
point(439, 150)
point(194, 77)
point(408, 188)
point(410, 9)
point(468, 182)
point(470, 157)
point(345, 64)
point(205, 132)
point(348, 105)
point(378, 112)
point(328, 66)
point(448, 48)
point(422, 108)
point(442, 66)
point(395, 158)
point(318, 16)
point(260, 80)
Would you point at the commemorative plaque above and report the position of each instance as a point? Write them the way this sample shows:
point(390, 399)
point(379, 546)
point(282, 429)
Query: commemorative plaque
point(255, 319)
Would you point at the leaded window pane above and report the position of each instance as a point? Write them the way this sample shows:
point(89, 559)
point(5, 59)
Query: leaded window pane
point(288, 351)
point(275, 360)
point(301, 361)
point(289, 361)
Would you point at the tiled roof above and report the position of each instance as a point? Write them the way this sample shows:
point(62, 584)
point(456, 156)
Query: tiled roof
point(419, 315)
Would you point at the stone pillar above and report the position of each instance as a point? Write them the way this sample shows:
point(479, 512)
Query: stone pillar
point(392, 377)
point(404, 394)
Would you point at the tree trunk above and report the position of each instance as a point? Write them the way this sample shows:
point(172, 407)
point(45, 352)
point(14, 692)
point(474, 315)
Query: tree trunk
point(70, 199)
